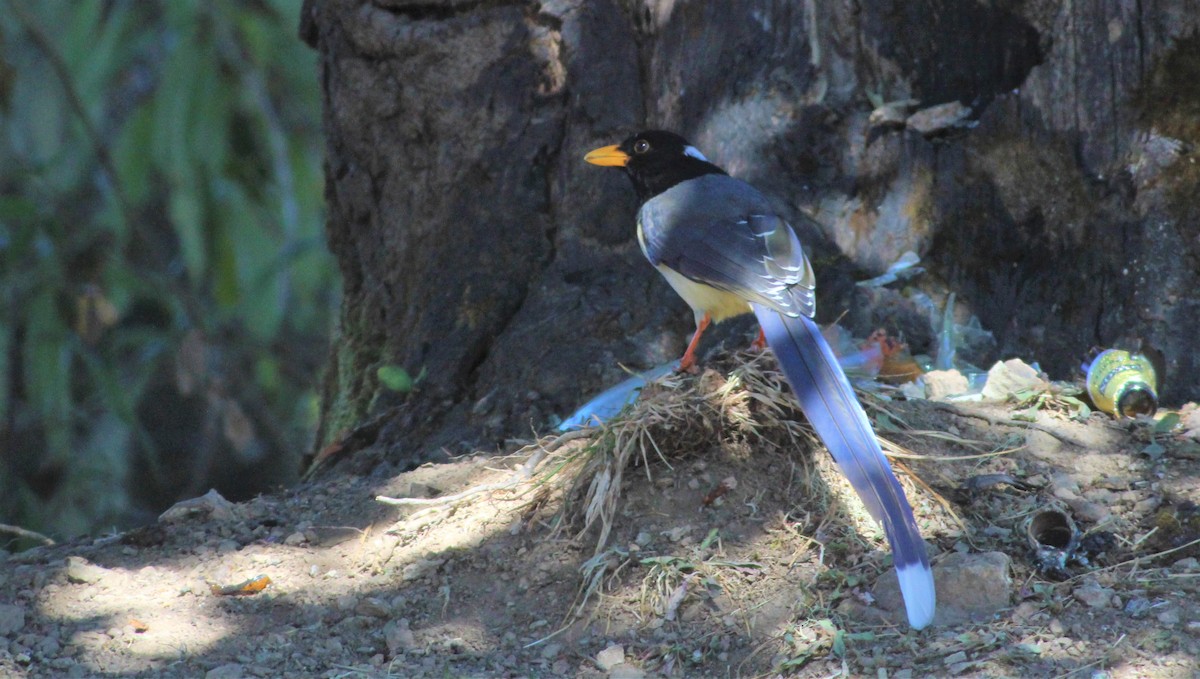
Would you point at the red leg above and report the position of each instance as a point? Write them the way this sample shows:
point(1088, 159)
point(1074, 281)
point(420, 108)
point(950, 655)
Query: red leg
point(759, 342)
point(689, 357)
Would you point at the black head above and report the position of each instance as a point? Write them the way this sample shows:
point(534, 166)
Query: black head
point(655, 161)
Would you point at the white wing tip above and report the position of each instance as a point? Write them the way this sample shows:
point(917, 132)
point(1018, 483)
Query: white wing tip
point(920, 596)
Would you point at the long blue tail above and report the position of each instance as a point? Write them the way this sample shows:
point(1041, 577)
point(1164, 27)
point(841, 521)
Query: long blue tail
point(828, 400)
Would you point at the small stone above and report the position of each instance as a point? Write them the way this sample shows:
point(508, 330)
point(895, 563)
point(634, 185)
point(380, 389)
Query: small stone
point(1092, 512)
point(210, 504)
point(610, 657)
point(81, 571)
point(398, 636)
point(347, 602)
point(626, 671)
point(372, 607)
point(12, 619)
point(940, 384)
point(419, 569)
point(1137, 607)
point(297, 538)
point(1147, 505)
point(940, 117)
point(970, 587)
point(1188, 564)
point(227, 671)
point(1169, 617)
point(550, 651)
point(1025, 611)
point(1093, 595)
point(955, 658)
point(1057, 628)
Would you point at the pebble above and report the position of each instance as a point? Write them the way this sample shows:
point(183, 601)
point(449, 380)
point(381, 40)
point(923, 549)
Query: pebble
point(942, 383)
point(955, 658)
point(626, 671)
point(970, 587)
point(80, 571)
point(1169, 617)
point(372, 607)
point(398, 636)
point(227, 671)
point(551, 650)
point(1091, 512)
point(12, 619)
point(1137, 607)
point(1093, 595)
point(610, 657)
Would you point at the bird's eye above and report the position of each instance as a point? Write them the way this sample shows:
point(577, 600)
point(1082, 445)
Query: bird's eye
point(641, 146)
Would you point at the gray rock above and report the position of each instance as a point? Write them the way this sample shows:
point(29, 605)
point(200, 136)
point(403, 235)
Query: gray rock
point(12, 619)
point(626, 671)
point(81, 571)
point(210, 504)
point(550, 651)
point(942, 383)
point(1092, 595)
point(970, 587)
point(1169, 617)
point(1092, 512)
point(227, 671)
point(610, 657)
point(398, 636)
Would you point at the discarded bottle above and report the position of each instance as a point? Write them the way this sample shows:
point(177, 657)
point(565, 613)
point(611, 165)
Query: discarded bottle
point(1123, 384)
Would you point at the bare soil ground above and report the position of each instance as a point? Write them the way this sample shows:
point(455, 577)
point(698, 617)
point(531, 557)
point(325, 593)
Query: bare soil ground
point(732, 549)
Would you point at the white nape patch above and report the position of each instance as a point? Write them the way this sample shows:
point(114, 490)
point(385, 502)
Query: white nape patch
point(694, 152)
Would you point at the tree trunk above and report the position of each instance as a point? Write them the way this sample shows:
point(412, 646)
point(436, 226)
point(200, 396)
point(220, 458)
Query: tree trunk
point(478, 249)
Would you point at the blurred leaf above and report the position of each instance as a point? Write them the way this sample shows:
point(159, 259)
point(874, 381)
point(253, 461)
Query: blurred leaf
point(395, 378)
point(209, 113)
point(187, 218)
point(6, 332)
point(16, 208)
point(226, 255)
point(220, 177)
point(133, 162)
point(47, 355)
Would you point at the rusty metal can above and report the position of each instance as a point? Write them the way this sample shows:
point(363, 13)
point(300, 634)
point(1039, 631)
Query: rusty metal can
point(1123, 383)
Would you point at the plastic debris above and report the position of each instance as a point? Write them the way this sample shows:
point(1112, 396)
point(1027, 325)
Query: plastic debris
point(905, 267)
point(1011, 377)
point(611, 401)
point(248, 588)
point(947, 344)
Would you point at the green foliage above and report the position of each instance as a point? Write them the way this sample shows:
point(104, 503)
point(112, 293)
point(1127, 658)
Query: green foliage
point(160, 184)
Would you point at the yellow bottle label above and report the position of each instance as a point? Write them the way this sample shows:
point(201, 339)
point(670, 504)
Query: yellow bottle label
point(1123, 384)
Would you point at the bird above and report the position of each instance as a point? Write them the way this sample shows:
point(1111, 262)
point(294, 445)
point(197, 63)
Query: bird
point(725, 251)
